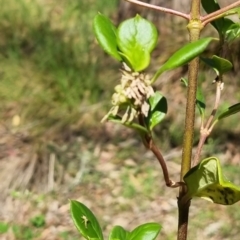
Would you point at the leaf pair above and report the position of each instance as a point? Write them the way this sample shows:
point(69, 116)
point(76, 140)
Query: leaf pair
point(206, 181)
point(89, 228)
point(132, 42)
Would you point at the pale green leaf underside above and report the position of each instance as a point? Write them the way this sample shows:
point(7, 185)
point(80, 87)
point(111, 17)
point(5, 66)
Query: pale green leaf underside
point(206, 181)
point(220, 65)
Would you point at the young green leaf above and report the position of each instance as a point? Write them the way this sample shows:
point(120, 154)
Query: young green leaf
point(155, 100)
point(200, 102)
point(183, 55)
point(232, 32)
point(119, 233)
point(227, 24)
point(158, 110)
point(212, 6)
point(138, 60)
point(85, 221)
point(206, 181)
point(156, 118)
point(105, 33)
point(184, 81)
point(220, 65)
point(230, 111)
point(136, 38)
point(147, 231)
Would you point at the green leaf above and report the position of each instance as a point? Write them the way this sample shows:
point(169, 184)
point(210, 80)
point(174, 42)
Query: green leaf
point(232, 31)
point(136, 38)
point(220, 65)
point(118, 233)
point(200, 102)
point(158, 110)
point(156, 118)
point(221, 24)
point(206, 181)
point(105, 33)
point(154, 101)
point(140, 129)
point(227, 24)
point(147, 231)
point(135, 62)
point(184, 81)
point(183, 56)
point(85, 221)
point(230, 111)
point(212, 6)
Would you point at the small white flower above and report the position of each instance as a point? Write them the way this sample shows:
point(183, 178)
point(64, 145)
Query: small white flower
point(133, 91)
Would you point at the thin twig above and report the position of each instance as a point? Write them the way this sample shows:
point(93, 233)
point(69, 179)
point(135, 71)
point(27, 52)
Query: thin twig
point(216, 104)
point(205, 131)
point(162, 162)
point(160, 9)
point(201, 142)
point(212, 16)
point(148, 143)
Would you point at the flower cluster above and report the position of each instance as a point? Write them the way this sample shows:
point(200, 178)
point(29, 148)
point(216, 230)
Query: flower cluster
point(132, 94)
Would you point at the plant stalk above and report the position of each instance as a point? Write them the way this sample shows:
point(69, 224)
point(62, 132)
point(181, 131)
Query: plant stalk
point(149, 144)
point(194, 28)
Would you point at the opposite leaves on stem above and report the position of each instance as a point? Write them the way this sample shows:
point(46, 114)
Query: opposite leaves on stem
point(132, 42)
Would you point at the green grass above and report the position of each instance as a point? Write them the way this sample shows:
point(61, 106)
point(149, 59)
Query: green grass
point(3, 227)
point(49, 59)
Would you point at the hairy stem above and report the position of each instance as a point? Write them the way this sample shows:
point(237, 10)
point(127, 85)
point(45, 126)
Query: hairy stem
point(194, 28)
